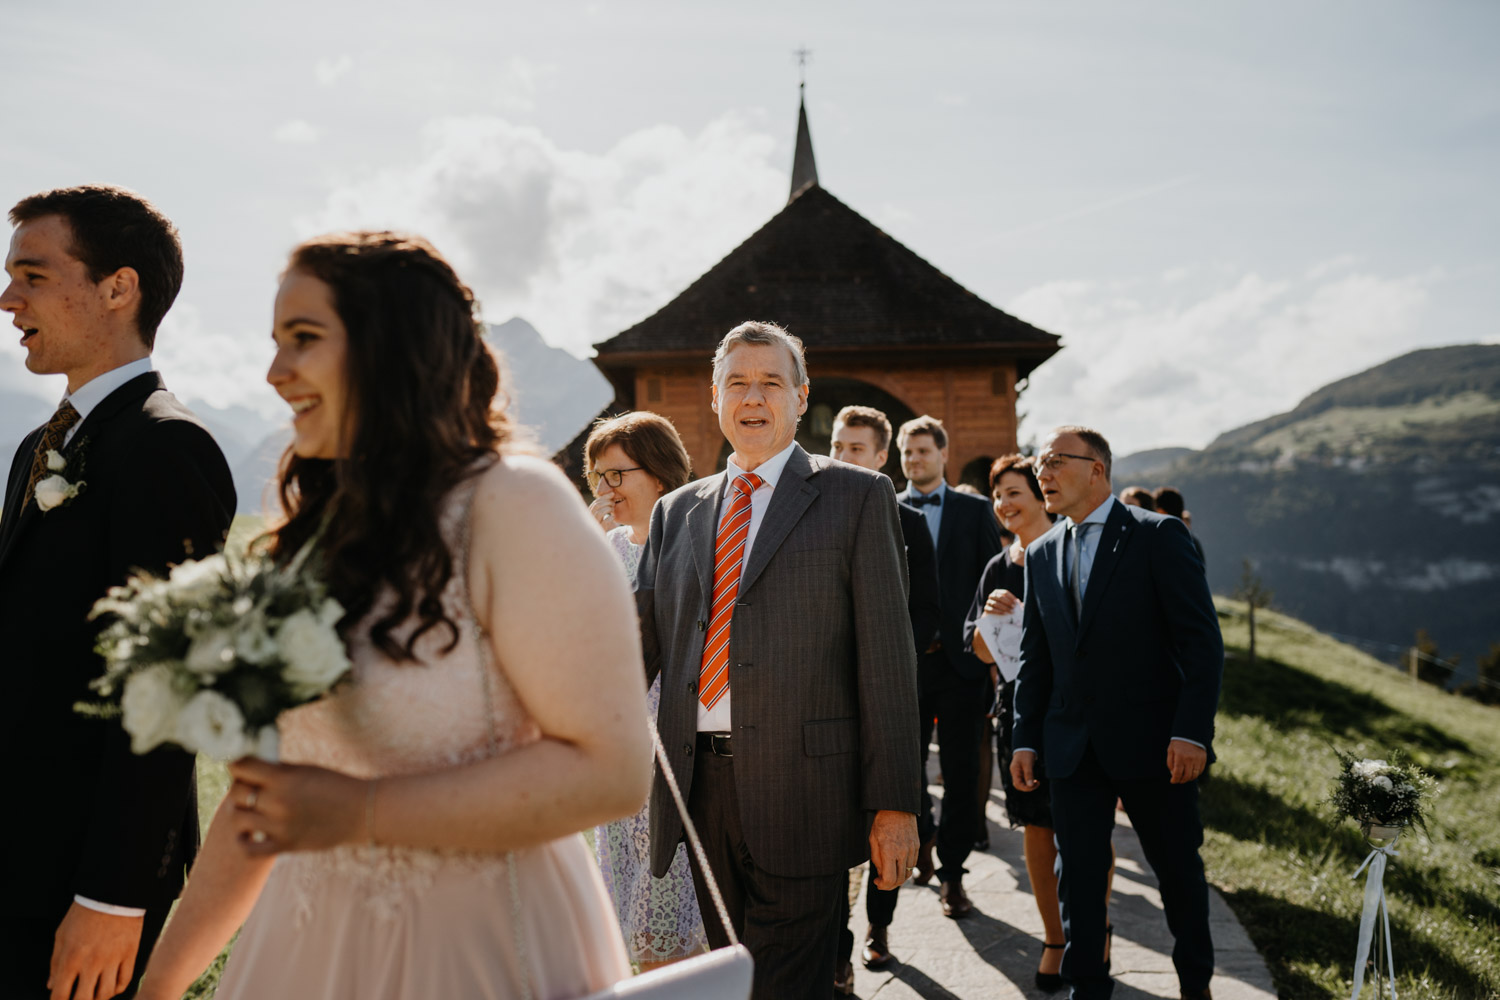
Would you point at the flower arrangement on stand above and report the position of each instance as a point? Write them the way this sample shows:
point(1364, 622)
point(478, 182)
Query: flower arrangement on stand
point(1384, 797)
point(208, 656)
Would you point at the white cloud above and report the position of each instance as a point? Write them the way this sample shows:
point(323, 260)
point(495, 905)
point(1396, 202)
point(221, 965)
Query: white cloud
point(222, 367)
point(1179, 358)
point(330, 70)
point(581, 244)
point(295, 131)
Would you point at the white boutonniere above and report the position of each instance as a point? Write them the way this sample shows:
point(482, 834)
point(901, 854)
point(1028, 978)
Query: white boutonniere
point(56, 490)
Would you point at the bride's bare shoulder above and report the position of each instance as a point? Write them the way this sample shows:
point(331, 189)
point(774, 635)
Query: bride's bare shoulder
point(525, 489)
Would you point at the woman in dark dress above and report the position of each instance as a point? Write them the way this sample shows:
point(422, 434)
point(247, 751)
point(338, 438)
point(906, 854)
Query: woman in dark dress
point(1018, 503)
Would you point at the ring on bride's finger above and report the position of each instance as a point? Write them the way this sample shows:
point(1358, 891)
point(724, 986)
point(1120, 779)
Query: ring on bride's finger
point(252, 798)
point(257, 836)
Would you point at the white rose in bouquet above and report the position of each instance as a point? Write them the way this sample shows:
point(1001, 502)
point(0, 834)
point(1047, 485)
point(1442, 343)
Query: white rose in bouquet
point(150, 705)
point(267, 744)
point(1368, 769)
point(55, 460)
point(54, 490)
point(1383, 783)
point(313, 652)
point(330, 613)
point(197, 579)
point(210, 723)
point(254, 643)
point(211, 653)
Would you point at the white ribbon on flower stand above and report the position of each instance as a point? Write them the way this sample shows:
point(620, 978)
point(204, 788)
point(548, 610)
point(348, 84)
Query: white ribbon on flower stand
point(1375, 901)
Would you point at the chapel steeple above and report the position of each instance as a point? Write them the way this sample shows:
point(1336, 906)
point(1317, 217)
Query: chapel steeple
point(804, 168)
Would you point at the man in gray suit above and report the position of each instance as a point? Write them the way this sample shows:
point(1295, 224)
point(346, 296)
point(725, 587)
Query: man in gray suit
point(772, 600)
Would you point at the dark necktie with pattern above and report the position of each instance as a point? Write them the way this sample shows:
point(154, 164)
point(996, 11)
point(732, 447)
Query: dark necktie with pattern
point(53, 436)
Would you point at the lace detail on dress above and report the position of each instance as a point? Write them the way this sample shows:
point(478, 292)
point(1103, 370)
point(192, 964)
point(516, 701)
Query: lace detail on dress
point(443, 710)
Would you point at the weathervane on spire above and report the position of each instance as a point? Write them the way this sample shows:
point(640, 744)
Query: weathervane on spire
point(803, 56)
point(804, 169)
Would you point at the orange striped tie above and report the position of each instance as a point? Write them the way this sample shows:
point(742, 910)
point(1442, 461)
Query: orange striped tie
point(729, 551)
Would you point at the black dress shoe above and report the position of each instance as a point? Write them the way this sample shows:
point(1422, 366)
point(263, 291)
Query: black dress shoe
point(1207, 994)
point(1049, 982)
point(843, 981)
point(955, 902)
point(876, 953)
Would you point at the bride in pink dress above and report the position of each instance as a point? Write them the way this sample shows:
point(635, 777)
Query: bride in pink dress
point(420, 837)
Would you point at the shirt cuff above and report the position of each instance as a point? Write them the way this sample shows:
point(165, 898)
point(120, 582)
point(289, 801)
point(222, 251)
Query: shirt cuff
point(1017, 750)
point(110, 908)
point(1195, 743)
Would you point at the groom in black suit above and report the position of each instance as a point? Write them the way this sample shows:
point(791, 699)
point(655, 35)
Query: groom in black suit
point(122, 477)
point(1121, 660)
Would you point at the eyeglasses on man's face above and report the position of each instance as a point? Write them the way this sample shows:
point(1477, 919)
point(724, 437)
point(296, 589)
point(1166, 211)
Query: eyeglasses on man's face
point(611, 478)
point(1053, 463)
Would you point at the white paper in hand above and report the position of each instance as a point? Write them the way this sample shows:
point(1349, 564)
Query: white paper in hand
point(1002, 633)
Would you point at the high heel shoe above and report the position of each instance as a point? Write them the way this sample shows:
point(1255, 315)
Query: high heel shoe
point(1049, 982)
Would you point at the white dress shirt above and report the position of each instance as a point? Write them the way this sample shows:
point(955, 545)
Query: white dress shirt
point(717, 719)
point(933, 512)
point(84, 400)
point(97, 389)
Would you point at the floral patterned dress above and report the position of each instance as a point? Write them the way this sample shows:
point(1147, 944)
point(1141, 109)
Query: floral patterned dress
point(658, 916)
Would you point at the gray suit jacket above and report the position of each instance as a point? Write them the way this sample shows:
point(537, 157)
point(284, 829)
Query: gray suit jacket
point(822, 670)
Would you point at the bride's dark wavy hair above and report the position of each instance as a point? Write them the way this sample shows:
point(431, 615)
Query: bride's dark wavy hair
point(426, 402)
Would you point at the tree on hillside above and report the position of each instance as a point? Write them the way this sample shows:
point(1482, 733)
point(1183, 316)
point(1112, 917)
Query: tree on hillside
point(1253, 591)
point(1486, 689)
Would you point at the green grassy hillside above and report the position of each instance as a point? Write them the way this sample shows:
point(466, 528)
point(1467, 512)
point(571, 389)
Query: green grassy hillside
point(1274, 851)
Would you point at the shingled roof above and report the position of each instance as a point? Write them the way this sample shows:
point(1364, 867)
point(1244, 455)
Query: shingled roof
point(833, 278)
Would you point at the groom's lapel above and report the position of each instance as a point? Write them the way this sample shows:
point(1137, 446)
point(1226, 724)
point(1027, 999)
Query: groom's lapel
point(133, 391)
point(15, 491)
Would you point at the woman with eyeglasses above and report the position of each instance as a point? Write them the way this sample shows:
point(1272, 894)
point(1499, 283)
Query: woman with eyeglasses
point(630, 462)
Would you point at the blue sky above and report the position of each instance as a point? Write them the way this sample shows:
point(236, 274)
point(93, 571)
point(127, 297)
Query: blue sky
point(1219, 206)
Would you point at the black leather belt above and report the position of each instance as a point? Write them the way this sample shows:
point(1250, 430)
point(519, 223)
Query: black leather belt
point(716, 744)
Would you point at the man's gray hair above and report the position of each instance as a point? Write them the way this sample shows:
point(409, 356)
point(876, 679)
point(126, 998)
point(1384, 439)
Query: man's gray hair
point(756, 332)
point(1095, 442)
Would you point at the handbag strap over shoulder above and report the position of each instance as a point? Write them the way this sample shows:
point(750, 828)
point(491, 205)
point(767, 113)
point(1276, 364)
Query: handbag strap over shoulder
point(692, 835)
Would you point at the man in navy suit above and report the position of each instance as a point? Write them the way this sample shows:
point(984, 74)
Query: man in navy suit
point(953, 685)
point(1121, 661)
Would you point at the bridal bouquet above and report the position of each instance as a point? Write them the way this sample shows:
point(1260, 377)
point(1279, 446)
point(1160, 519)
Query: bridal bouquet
point(1381, 793)
point(210, 655)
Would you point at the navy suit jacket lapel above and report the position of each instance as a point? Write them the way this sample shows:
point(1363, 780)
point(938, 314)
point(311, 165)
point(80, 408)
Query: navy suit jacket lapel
point(791, 497)
point(1054, 549)
point(1112, 539)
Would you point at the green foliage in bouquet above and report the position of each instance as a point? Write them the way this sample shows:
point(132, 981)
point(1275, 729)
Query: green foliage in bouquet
point(1391, 792)
point(208, 656)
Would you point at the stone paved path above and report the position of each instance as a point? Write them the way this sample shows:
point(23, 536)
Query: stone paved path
point(992, 955)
